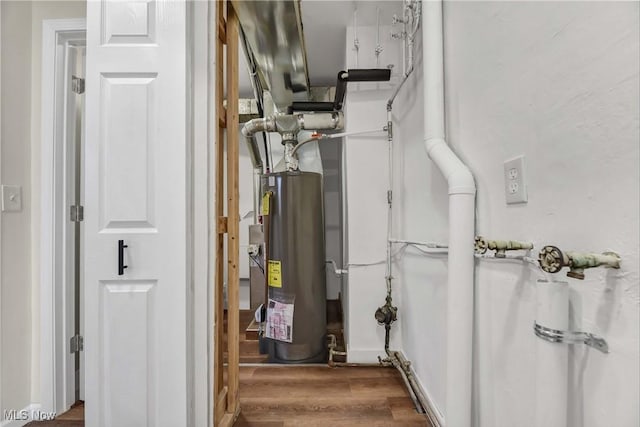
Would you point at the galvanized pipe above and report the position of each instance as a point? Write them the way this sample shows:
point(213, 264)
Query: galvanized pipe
point(249, 130)
point(290, 125)
point(320, 121)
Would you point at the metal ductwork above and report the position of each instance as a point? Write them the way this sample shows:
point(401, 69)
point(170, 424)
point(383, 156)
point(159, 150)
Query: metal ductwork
point(272, 30)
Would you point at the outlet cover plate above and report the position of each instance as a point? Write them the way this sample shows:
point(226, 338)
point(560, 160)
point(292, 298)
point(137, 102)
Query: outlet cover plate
point(515, 186)
point(11, 198)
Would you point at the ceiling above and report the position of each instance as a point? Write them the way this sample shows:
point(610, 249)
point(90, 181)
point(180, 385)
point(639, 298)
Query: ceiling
point(325, 23)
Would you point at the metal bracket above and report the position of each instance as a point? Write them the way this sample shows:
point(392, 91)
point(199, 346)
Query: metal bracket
point(76, 344)
point(570, 337)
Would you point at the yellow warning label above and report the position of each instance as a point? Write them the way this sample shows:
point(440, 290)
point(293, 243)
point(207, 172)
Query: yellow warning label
point(275, 274)
point(265, 204)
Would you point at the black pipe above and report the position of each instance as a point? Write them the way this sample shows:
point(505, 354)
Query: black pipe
point(369, 75)
point(357, 75)
point(351, 75)
point(310, 106)
point(341, 90)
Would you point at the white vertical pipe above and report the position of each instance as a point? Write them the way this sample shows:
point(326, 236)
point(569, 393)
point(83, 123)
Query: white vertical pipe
point(460, 285)
point(552, 362)
point(433, 63)
point(460, 282)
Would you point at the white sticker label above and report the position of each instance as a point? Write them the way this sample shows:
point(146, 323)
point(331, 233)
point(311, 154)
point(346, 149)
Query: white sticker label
point(272, 181)
point(279, 321)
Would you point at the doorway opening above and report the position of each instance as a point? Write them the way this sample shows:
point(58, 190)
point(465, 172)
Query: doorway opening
point(61, 213)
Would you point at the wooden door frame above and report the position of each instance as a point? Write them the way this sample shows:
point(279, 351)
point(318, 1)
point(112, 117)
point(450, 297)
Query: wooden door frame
point(226, 404)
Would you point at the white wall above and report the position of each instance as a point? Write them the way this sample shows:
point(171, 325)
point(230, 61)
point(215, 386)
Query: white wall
point(365, 184)
point(559, 83)
point(331, 152)
point(15, 269)
point(41, 10)
point(21, 77)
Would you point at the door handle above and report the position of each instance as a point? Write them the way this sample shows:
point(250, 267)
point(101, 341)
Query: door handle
point(121, 265)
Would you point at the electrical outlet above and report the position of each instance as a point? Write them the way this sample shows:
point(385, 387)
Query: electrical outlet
point(515, 188)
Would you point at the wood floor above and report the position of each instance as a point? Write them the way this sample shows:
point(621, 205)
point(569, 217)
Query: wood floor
point(322, 396)
point(288, 395)
point(292, 396)
point(74, 417)
point(249, 349)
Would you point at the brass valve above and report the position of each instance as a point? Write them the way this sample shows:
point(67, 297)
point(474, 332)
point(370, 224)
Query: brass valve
point(552, 260)
point(500, 246)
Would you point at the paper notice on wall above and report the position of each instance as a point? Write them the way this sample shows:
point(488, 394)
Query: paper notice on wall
point(279, 321)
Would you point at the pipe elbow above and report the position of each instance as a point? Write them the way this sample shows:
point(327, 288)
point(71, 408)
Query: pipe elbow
point(461, 182)
point(457, 174)
point(254, 126)
point(248, 132)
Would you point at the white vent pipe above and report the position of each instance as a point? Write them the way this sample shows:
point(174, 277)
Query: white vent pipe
point(460, 282)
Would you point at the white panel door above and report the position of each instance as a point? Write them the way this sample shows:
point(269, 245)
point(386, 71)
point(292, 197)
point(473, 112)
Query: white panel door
point(136, 191)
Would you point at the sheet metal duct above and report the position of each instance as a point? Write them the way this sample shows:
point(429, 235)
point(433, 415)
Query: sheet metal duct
point(273, 32)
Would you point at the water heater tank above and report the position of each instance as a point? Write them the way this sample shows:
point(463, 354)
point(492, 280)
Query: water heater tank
point(296, 263)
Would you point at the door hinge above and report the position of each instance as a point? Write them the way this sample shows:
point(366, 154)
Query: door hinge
point(77, 85)
point(77, 213)
point(76, 344)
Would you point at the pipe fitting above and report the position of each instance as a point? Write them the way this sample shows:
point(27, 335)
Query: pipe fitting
point(287, 123)
point(321, 120)
point(552, 260)
point(290, 157)
point(458, 176)
point(249, 130)
point(332, 350)
point(499, 246)
point(288, 138)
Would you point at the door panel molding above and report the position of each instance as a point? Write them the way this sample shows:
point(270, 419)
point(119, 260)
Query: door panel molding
point(137, 190)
